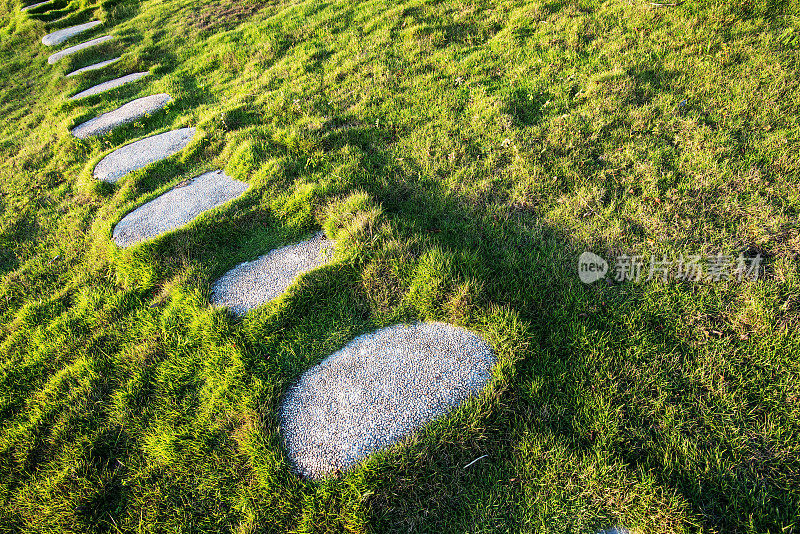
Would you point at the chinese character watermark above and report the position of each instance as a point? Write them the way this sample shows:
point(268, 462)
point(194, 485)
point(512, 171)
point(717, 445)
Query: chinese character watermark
point(693, 268)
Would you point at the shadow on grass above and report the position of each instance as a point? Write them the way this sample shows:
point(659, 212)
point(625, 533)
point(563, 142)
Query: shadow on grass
point(494, 246)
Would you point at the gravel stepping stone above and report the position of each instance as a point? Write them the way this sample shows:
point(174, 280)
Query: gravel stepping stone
point(253, 283)
point(177, 207)
point(109, 85)
point(77, 48)
point(34, 6)
point(142, 153)
point(62, 35)
point(377, 390)
point(94, 66)
point(122, 115)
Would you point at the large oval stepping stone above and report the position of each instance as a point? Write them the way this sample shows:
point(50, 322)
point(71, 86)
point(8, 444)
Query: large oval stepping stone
point(177, 207)
point(142, 153)
point(251, 284)
point(122, 115)
point(109, 85)
point(62, 35)
point(379, 389)
point(77, 48)
point(94, 66)
point(34, 6)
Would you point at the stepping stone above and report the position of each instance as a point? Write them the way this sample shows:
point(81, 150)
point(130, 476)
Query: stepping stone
point(95, 66)
point(60, 36)
point(122, 115)
point(177, 207)
point(142, 153)
point(251, 284)
point(109, 85)
point(377, 390)
point(34, 6)
point(77, 48)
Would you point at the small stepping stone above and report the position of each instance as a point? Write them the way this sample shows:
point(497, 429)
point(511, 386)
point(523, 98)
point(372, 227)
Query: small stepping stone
point(142, 153)
point(77, 48)
point(60, 36)
point(34, 6)
point(95, 66)
point(377, 390)
point(122, 115)
point(251, 284)
point(109, 85)
point(177, 207)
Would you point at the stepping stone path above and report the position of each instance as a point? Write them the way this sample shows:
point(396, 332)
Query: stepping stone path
point(177, 207)
point(377, 390)
point(60, 36)
point(109, 85)
point(77, 48)
point(122, 115)
point(374, 392)
point(251, 284)
point(95, 66)
point(142, 153)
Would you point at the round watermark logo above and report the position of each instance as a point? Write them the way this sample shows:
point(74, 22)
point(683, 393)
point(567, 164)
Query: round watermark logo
point(591, 267)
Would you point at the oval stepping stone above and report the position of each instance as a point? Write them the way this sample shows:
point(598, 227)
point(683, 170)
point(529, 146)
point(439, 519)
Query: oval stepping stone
point(62, 35)
point(177, 207)
point(122, 115)
point(94, 66)
point(34, 6)
point(109, 85)
point(142, 153)
point(379, 389)
point(77, 48)
point(251, 284)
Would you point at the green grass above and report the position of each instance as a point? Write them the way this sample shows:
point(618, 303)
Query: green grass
point(463, 153)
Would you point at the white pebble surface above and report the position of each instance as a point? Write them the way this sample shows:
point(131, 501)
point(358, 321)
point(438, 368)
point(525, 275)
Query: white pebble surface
point(58, 37)
point(77, 48)
point(251, 284)
point(93, 66)
point(109, 85)
point(34, 6)
point(142, 153)
point(177, 207)
point(122, 115)
point(377, 390)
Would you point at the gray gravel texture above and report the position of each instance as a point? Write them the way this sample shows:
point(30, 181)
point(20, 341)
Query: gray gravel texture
point(34, 6)
point(177, 207)
point(94, 66)
point(78, 47)
point(122, 115)
point(142, 153)
point(58, 37)
point(109, 85)
point(253, 283)
point(377, 390)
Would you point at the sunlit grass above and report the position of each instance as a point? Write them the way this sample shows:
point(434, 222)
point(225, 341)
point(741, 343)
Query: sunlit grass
point(463, 154)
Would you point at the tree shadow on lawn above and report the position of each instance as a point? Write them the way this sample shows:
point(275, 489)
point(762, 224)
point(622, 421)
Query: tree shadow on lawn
point(536, 278)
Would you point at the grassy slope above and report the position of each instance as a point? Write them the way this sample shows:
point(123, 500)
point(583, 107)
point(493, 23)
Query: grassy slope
point(464, 153)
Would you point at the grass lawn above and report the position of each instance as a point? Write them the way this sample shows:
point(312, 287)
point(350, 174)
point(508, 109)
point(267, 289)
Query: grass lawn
point(463, 153)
